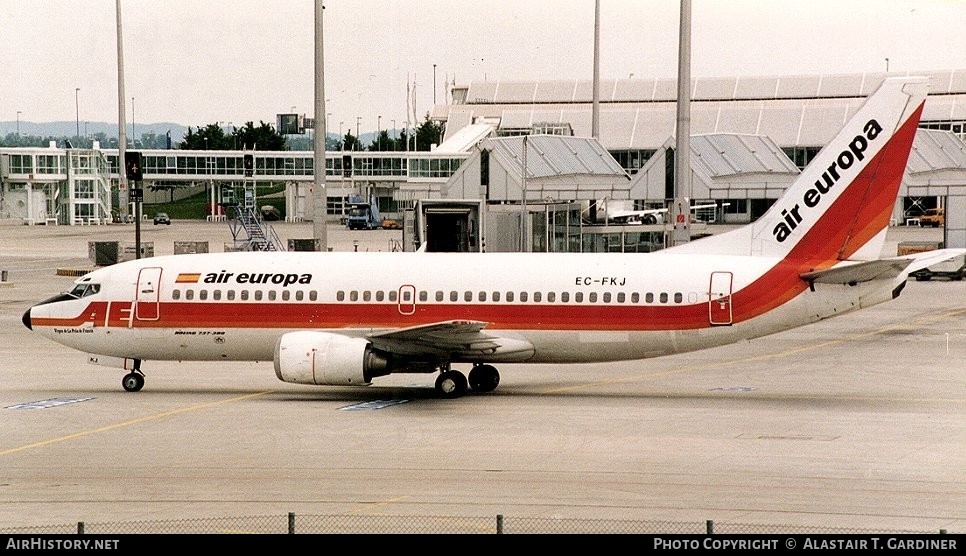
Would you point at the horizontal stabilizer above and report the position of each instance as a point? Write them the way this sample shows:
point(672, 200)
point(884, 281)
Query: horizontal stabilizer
point(926, 259)
point(858, 272)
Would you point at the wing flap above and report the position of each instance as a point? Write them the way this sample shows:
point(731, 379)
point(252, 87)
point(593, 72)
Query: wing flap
point(455, 338)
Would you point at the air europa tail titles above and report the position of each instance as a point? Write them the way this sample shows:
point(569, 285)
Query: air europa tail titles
point(348, 318)
point(812, 197)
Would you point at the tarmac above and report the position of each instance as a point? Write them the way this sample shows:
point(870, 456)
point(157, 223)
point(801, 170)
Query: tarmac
point(857, 422)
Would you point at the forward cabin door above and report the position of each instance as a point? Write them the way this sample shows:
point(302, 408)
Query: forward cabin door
point(148, 294)
point(719, 299)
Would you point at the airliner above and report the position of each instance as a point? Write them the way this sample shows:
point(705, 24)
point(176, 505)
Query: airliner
point(346, 318)
point(650, 216)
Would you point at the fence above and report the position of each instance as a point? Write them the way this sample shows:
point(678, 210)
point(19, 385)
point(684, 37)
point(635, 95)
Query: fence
point(387, 524)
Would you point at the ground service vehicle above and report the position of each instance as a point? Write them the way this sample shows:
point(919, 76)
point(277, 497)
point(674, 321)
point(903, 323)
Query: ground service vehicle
point(362, 215)
point(934, 217)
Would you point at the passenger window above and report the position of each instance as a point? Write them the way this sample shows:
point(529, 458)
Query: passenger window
point(423, 295)
point(340, 296)
point(565, 297)
point(467, 296)
point(380, 295)
point(286, 295)
point(439, 295)
point(272, 295)
point(620, 297)
point(244, 295)
point(175, 294)
point(635, 297)
point(536, 297)
point(230, 295)
point(393, 296)
point(313, 295)
point(496, 296)
point(579, 297)
point(663, 297)
point(454, 296)
point(367, 296)
point(523, 296)
point(649, 297)
point(216, 295)
point(203, 295)
point(189, 294)
point(593, 297)
point(551, 296)
point(509, 296)
point(354, 295)
point(678, 297)
point(299, 295)
point(482, 296)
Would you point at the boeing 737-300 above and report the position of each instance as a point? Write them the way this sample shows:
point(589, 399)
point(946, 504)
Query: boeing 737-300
point(335, 318)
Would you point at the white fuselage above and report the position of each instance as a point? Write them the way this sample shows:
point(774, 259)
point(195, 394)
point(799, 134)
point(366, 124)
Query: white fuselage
point(569, 307)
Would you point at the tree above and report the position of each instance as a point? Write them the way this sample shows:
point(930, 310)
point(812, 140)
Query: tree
point(382, 142)
point(428, 133)
point(261, 138)
point(248, 137)
point(351, 143)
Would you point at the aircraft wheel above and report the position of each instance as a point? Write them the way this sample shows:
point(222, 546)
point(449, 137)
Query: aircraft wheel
point(451, 384)
point(133, 382)
point(484, 378)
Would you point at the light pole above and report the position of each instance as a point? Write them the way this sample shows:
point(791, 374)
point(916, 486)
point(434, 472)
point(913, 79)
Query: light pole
point(77, 112)
point(134, 135)
point(341, 137)
point(394, 130)
point(379, 131)
point(327, 116)
point(18, 123)
point(358, 119)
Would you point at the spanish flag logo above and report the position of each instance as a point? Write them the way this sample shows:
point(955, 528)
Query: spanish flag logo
point(188, 278)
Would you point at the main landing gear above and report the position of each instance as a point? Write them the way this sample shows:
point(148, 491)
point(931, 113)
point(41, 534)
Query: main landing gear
point(452, 384)
point(134, 380)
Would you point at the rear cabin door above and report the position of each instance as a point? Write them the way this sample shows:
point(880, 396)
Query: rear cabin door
point(148, 294)
point(719, 298)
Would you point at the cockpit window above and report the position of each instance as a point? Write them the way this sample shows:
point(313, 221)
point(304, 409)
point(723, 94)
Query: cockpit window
point(83, 290)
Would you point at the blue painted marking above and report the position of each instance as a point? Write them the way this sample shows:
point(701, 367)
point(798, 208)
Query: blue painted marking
point(368, 406)
point(735, 389)
point(45, 404)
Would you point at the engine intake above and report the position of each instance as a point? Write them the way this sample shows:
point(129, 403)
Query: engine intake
point(323, 358)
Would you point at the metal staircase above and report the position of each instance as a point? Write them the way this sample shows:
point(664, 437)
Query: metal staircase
point(258, 236)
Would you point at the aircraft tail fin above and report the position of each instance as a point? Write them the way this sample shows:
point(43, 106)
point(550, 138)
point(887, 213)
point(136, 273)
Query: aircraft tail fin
point(840, 205)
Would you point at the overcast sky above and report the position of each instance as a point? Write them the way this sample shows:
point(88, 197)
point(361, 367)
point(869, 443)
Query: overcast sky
point(199, 62)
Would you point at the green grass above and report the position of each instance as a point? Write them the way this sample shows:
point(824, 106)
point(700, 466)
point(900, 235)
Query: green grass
point(193, 208)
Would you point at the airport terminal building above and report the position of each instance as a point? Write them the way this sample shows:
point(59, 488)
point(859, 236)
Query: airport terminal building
point(750, 136)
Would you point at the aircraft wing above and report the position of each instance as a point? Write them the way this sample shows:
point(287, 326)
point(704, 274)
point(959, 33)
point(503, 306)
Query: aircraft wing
point(447, 338)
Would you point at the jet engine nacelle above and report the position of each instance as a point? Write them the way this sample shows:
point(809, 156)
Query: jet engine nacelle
point(307, 357)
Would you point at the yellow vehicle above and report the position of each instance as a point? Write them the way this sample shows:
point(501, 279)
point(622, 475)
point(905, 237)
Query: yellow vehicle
point(933, 217)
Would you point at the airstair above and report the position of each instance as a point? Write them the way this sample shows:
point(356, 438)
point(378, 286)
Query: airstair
point(248, 229)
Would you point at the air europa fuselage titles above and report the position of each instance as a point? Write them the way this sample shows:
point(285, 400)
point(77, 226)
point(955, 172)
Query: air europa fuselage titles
point(257, 278)
point(856, 151)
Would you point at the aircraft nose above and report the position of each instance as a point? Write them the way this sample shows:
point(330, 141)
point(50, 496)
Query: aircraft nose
point(26, 319)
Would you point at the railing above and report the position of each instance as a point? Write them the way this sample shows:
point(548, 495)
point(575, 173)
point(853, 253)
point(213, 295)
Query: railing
point(499, 524)
point(259, 235)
